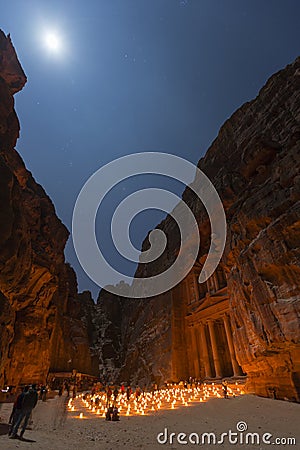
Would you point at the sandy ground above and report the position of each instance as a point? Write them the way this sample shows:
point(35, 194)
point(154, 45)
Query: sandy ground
point(55, 428)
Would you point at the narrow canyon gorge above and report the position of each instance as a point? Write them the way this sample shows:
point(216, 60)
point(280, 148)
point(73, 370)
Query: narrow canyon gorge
point(243, 322)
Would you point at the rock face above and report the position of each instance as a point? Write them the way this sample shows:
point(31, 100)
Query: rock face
point(107, 345)
point(254, 164)
point(40, 321)
point(107, 330)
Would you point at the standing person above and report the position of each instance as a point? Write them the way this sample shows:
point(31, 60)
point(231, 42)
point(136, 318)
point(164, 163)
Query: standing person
point(29, 402)
point(44, 393)
point(16, 409)
point(128, 393)
point(122, 389)
point(137, 392)
point(225, 389)
point(152, 389)
point(108, 395)
point(67, 388)
point(19, 393)
point(116, 392)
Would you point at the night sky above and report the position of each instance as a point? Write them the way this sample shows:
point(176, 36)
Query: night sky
point(131, 76)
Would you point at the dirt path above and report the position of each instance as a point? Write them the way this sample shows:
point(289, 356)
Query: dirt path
point(54, 429)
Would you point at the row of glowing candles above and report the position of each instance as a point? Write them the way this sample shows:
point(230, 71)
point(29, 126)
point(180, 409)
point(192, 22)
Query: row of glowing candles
point(149, 402)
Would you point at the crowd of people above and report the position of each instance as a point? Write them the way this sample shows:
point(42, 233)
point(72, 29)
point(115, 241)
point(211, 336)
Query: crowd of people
point(66, 386)
point(112, 393)
point(27, 398)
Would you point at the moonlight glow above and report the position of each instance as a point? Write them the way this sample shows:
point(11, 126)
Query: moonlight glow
point(53, 42)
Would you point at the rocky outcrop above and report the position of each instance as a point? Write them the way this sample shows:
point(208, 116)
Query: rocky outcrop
point(107, 329)
point(40, 324)
point(147, 340)
point(107, 346)
point(254, 165)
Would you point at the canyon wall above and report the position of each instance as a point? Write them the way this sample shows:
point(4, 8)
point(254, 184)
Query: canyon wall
point(45, 325)
point(254, 164)
point(40, 319)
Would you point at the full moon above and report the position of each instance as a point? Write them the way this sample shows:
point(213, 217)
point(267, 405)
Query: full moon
point(53, 42)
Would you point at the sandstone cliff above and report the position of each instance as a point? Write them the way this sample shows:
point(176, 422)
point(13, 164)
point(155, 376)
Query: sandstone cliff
point(254, 163)
point(40, 325)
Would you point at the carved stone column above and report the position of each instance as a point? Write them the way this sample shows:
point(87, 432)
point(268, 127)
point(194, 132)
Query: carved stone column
point(195, 352)
point(215, 281)
point(235, 366)
point(204, 351)
point(196, 287)
point(208, 286)
point(211, 285)
point(214, 347)
point(187, 292)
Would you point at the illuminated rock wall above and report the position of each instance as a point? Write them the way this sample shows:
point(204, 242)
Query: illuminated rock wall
point(254, 164)
point(40, 320)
